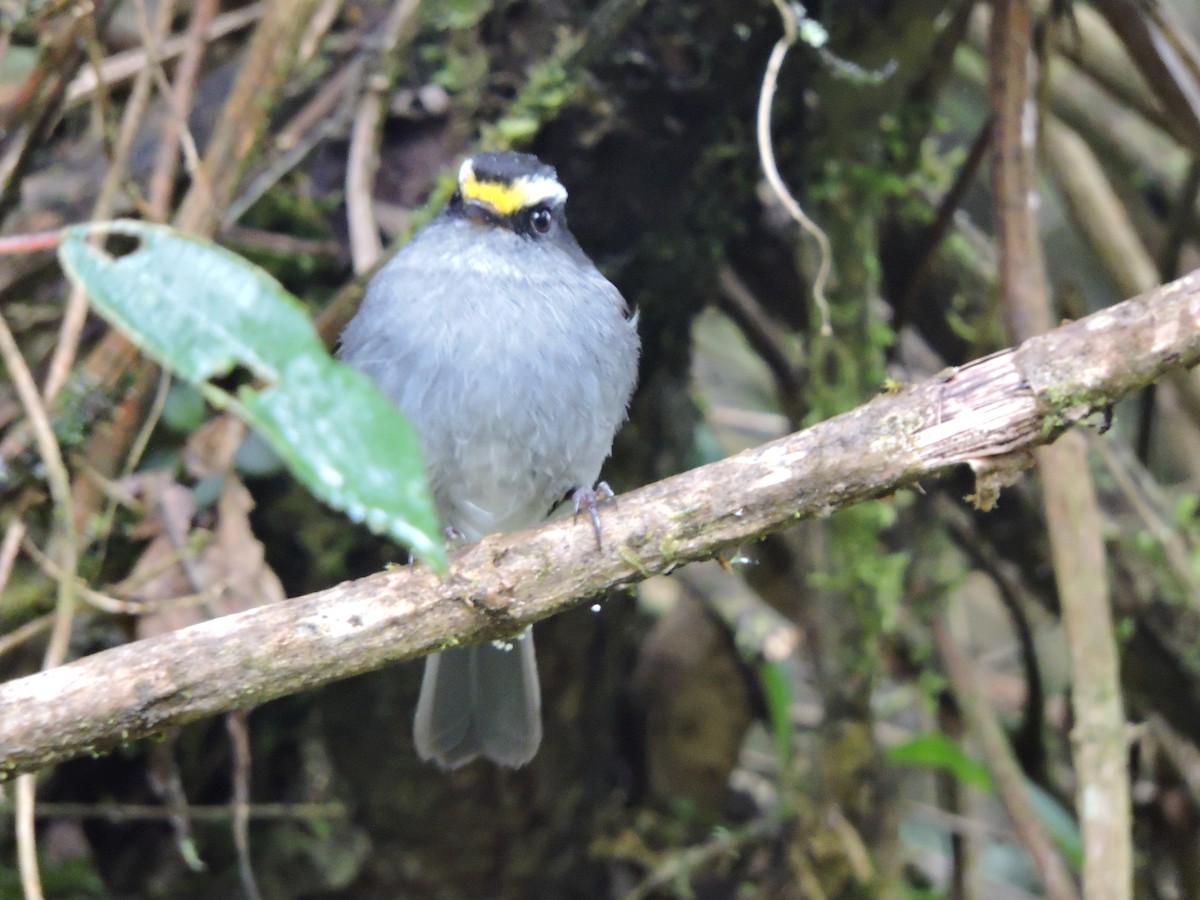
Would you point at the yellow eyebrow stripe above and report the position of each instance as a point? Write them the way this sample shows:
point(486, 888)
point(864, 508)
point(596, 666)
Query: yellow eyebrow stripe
point(505, 199)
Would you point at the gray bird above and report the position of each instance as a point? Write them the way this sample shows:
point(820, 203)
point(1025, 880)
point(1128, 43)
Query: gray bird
point(515, 359)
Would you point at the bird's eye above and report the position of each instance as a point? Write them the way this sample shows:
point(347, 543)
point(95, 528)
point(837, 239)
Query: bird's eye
point(540, 219)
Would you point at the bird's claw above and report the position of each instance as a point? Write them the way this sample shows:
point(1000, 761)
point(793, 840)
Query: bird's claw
point(590, 499)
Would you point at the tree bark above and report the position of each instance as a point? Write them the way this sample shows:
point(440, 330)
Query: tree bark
point(985, 413)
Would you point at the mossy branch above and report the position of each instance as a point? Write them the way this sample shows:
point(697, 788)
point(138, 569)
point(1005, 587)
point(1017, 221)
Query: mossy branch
point(980, 414)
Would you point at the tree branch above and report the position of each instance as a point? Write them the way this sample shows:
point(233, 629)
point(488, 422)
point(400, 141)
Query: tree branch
point(999, 405)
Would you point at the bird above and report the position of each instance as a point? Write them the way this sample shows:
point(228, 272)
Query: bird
point(515, 359)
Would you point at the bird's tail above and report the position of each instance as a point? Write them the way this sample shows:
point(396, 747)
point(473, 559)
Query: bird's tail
point(480, 700)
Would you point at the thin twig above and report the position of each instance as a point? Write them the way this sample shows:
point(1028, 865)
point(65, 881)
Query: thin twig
point(110, 604)
point(366, 246)
point(56, 650)
point(125, 65)
point(25, 799)
point(191, 153)
point(763, 333)
point(985, 728)
point(318, 25)
point(8, 550)
point(690, 860)
point(136, 449)
point(766, 152)
point(237, 723)
point(269, 60)
point(23, 633)
point(167, 783)
point(145, 812)
point(326, 115)
point(1015, 595)
point(75, 314)
point(1133, 482)
point(60, 487)
point(22, 244)
point(918, 276)
point(166, 161)
point(152, 416)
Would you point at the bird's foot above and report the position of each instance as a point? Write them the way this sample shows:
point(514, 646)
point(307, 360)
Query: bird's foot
point(590, 499)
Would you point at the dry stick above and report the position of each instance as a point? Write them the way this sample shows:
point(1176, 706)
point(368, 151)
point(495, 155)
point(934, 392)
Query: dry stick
point(1145, 498)
point(186, 141)
point(1097, 211)
point(943, 221)
point(1121, 135)
point(47, 444)
point(1017, 598)
point(28, 631)
point(1093, 46)
point(762, 331)
point(114, 605)
point(1014, 134)
point(1099, 215)
point(1098, 737)
point(1102, 220)
point(238, 725)
point(31, 882)
point(76, 311)
point(145, 812)
point(1069, 495)
point(320, 23)
point(366, 246)
point(39, 113)
point(1165, 65)
point(320, 118)
point(1006, 772)
point(56, 651)
point(1007, 402)
point(166, 161)
point(8, 550)
point(121, 66)
point(269, 60)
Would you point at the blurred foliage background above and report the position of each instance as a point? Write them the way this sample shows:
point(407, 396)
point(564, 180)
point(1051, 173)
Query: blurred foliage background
point(846, 709)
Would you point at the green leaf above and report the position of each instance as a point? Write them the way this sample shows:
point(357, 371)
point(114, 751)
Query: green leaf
point(1059, 823)
point(193, 306)
point(184, 409)
point(937, 751)
point(777, 691)
point(202, 311)
point(324, 440)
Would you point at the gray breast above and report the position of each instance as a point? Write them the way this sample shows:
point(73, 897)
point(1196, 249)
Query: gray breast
point(514, 360)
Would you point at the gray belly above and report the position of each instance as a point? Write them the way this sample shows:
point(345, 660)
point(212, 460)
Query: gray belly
point(505, 442)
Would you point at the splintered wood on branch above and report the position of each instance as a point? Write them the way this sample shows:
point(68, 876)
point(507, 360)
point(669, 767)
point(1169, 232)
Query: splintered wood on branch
point(981, 413)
